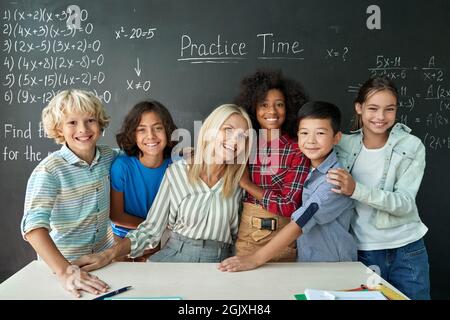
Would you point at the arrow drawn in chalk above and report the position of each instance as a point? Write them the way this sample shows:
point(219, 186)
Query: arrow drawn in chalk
point(138, 69)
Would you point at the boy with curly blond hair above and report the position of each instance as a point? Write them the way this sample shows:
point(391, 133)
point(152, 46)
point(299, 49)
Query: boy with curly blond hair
point(66, 212)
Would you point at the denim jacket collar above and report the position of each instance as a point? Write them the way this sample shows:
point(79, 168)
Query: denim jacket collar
point(397, 130)
point(329, 162)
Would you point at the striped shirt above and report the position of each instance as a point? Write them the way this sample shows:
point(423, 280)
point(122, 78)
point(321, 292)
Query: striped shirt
point(195, 211)
point(280, 168)
point(70, 198)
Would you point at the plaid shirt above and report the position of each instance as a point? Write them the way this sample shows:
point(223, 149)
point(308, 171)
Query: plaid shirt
point(281, 171)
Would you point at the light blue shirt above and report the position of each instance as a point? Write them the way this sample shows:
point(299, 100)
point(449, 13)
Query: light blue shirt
point(325, 218)
point(70, 198)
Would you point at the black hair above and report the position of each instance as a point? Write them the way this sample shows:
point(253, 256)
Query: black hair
point(126, 137)
point(321, 110)
point(254, 88)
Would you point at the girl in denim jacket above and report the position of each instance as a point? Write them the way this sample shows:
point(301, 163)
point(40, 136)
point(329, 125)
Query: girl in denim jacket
point(384, 168)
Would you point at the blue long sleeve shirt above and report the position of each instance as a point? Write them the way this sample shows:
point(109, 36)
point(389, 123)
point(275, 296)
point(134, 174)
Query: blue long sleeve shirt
point(325, 219)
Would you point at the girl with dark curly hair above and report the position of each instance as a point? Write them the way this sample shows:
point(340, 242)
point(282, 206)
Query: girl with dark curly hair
point(137, 175)
point(275, 176)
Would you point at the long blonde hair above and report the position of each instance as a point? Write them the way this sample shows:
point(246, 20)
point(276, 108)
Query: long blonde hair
point(233, 172)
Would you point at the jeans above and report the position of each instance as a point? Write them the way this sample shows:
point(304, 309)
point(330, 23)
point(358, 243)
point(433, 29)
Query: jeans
point(183, 249)
point(406, 268)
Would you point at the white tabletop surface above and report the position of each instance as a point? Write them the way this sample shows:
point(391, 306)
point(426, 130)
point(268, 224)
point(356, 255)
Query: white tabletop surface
point(274, 281)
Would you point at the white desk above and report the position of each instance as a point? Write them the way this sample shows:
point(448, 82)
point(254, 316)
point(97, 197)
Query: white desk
point(275, 281)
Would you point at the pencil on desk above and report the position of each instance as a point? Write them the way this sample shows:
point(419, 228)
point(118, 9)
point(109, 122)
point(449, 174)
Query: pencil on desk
point(113, 293)
point(390, 294)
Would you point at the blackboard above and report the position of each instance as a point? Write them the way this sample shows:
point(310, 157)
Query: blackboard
point(190, 55)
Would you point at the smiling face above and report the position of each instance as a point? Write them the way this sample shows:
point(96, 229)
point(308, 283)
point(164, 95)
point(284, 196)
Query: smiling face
point(151, 136)
point(316, 139)
point(271, 112)
point(378, 112)
point(81, 132)
point(231, 140)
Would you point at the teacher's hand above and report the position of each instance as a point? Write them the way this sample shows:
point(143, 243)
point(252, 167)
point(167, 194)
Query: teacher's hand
point(92, 261)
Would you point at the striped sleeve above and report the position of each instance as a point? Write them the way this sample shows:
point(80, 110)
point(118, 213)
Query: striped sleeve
point(40, 197)
point(149, 233)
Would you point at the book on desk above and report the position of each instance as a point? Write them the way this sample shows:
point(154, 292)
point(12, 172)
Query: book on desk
point(380, 292)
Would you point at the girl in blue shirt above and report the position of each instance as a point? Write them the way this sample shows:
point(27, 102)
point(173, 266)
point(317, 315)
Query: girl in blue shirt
point(136, 176)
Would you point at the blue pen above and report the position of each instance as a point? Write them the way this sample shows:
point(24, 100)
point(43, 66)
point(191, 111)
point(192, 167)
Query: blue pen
point(113, 293)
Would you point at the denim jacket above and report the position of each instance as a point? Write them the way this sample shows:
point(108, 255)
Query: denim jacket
point(404, 165)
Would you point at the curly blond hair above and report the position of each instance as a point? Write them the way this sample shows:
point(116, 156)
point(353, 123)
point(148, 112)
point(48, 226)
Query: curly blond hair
point(68, 102)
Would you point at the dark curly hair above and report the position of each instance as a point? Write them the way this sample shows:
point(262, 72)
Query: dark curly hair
point(254, 88)
point(126, 138)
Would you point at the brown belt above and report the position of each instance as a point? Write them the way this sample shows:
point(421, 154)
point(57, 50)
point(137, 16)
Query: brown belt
point(263, 223)
point(267, 221)
point(257, 227)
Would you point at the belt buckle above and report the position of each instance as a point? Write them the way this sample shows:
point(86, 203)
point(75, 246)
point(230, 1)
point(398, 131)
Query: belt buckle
point(269, 224)
point(266, 223)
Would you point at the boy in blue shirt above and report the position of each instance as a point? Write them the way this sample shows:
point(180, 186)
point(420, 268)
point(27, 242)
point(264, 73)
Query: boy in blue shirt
point(321, 225)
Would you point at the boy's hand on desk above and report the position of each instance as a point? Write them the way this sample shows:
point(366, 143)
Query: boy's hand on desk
point(236, 263)
point(75, 280)
point(92, 261)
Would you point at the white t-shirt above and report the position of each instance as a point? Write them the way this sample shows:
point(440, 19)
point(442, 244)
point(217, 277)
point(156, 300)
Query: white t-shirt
point(367, 170)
